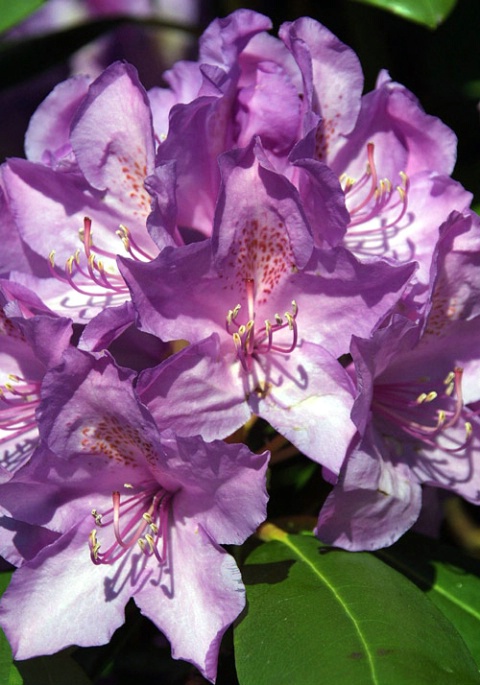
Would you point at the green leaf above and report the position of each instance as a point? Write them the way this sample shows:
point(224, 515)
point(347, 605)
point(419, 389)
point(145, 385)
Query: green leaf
point(430, 13)
point(318, 615)
point(450, 579)
point(8, 672)
point(14, 11)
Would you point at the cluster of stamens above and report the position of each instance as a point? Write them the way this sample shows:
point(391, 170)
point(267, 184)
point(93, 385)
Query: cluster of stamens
point(81, 274)
point(146, 526)
point(19, 399)
point(371, 197)
point(250, 341)
point(395, 403)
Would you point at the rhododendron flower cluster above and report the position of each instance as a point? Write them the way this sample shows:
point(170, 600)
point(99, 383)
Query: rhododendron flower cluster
point(257, 240)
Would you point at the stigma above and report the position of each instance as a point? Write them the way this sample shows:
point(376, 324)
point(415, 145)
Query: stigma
point(19, 399)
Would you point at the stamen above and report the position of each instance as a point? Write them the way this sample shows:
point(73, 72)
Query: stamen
point(131, 246)
point(94, 546)
point(449, 378)
point(144, 528)
point(231, 316)
point(249, 342)
point(97, 517)
point(96, 273)
point(376, 199)
point(392, 402)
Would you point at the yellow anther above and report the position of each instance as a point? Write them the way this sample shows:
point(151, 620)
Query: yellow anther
point(449, 378)
point(421, 398)
point(248, 330)
point(69, 264)
point(146, 517)
point(151, 541)
point(432, 395)
point(129, 486)
point(97, 517)
point(450, 389)
point(232, 314)
point(278, 319)
point(350, 181)
point(124, 234)
point(51, 258)
point(290, 320)
point(94, 544)
point(404, 177)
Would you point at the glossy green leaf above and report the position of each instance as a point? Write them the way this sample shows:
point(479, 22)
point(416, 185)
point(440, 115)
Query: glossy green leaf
point(9, 674)
point(14, 11)
point(430, 13)
point(317, 615)
point(450, 578)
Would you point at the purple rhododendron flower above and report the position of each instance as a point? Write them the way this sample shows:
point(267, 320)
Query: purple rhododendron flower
point(86, 179)
point(153, 508)
point(257, 239)
point(279, 311)
point(301, 95)
point(414, 380)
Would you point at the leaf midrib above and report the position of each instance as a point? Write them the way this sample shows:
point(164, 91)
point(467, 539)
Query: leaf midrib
point(341, 602)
